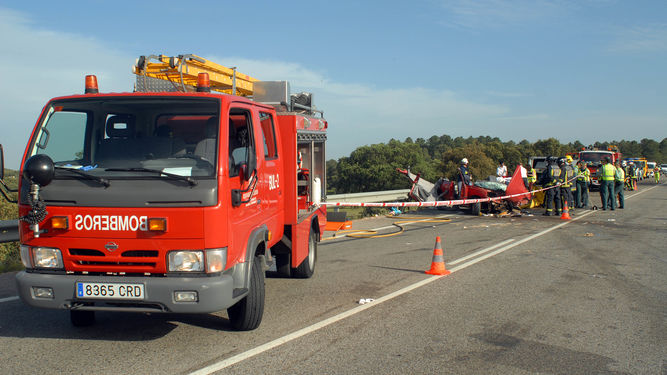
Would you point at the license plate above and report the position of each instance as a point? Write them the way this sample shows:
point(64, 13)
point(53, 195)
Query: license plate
point(110, 291)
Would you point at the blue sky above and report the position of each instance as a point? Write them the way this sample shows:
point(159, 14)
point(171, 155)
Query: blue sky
point(576, 70)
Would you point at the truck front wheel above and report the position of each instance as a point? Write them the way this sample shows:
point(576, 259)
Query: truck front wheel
point(246, 314)
point(306, 269)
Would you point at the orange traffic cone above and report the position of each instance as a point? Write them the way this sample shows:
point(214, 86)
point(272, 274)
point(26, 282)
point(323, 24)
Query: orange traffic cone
point(438, 262)
point(566, 212)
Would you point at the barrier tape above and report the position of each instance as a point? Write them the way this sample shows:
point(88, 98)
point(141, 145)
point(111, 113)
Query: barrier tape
point(439, 203)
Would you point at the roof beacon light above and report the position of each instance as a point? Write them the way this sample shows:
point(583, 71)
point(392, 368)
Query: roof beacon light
point(91, 85)
point(203, 84)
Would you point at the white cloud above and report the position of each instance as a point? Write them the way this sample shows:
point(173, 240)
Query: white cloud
point(646, 38)
point(361, 114)
point(45, 63)
point(490, 14)
point(39, 64)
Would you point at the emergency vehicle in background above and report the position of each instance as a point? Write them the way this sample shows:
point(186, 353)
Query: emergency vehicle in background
point(593, 159)
point(176, 197)
point(641, 166)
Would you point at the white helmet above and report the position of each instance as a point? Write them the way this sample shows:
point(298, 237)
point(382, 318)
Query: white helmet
point(464, 161)
point(624, 163)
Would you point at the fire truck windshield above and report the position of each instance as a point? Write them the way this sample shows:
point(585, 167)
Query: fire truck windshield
point(593, 157)
point(115, 136)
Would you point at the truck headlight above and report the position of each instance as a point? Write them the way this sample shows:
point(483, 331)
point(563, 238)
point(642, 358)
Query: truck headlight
point(216, 259)
point(186, 261)
point(47, 257)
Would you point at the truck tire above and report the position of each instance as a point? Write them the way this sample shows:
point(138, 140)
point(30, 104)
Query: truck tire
point(306, 269)
point(246, 314)
point(82, 318)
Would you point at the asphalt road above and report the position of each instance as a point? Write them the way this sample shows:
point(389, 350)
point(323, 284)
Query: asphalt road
point(526, 295)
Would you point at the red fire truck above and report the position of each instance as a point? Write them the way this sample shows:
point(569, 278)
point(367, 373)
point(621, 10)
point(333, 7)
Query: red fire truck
point(176, 197)
point(593, 159)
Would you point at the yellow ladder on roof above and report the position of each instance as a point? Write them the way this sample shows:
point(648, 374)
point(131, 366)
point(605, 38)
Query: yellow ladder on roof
point(182, 71)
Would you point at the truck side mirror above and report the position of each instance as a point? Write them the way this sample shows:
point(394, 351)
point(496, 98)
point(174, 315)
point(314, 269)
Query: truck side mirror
point(39, 169)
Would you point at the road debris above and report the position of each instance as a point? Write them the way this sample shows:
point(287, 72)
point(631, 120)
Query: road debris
point(364, 301)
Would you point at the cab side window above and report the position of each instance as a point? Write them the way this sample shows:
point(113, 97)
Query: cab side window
point(269, 135)
point(240, 139)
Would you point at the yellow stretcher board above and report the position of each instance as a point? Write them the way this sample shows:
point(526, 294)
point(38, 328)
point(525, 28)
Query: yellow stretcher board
point(183, 70)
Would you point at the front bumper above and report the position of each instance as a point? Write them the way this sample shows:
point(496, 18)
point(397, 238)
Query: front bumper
point(214, 293)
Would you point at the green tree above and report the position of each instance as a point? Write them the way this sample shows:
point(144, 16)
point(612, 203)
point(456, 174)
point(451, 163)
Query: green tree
point(480, 165)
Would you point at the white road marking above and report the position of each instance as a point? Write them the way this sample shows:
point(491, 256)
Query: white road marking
point(326, 322)
point(479, 252)
point(9, 299)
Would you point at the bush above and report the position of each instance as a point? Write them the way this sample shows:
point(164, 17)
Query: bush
point(10, 259)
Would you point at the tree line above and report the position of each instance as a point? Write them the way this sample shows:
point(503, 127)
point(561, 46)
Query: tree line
point(373, 167)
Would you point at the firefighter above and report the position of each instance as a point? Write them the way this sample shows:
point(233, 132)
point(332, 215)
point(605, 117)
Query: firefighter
point(463, 177)
point(619, 180)
point(626, 170)
point(531, 176)
point(549, 179)
point(583, 180)
point(566, 176)
point(606, 178)
point(633, 176)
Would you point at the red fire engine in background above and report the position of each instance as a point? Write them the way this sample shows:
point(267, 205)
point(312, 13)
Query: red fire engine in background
point(593, 159)
point(176, 197)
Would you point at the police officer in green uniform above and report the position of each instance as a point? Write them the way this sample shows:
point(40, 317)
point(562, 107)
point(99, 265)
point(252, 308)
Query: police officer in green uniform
point(619, 180)
point(606, 178)
point(583, 179)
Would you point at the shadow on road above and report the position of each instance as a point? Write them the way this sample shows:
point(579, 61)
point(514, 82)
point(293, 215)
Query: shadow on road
point(21, 321)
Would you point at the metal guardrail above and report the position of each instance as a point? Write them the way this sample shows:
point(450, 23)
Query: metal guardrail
point(373, 196)
point(9, 230)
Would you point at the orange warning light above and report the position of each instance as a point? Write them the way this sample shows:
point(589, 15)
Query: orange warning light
point(91, 85)
point(203, 84)
point(157, 224)
point(59, 222)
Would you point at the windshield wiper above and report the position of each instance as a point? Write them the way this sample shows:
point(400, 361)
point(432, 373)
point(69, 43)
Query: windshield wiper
point(88, 176)
point(162, 173)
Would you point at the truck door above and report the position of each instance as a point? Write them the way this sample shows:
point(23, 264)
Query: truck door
point(271, 180)
point(245, 213)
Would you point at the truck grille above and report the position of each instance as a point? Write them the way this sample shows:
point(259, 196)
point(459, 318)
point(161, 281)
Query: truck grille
point(130, 261)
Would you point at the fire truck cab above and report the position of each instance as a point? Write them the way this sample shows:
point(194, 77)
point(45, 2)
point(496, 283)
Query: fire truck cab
point(170, 200)
point(593, 158)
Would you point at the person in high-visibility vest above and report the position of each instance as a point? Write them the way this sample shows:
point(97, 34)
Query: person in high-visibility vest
point(549, 179)
point(656, 174)
point(619, 181)
point(531, 176)
point(606, 178)
point(583, 180)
